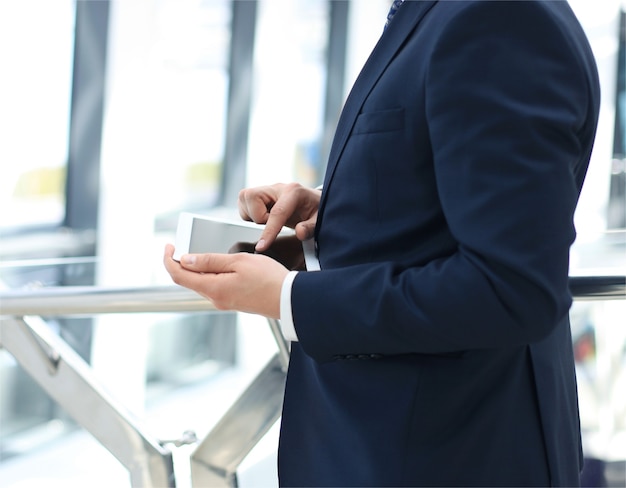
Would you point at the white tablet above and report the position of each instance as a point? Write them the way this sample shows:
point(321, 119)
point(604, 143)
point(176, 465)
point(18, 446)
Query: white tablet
point(201, 234)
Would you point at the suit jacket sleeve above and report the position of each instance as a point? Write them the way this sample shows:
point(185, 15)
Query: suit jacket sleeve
point(507, 115)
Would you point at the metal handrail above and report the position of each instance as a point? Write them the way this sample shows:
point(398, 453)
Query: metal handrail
point(66, 301)
point(72, 384)
point(52, 363)
point(598, 287)
point(90, 300)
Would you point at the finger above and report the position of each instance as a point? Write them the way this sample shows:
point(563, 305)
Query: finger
point(254, 204)
point(207, 263)
point(242, 205)
point(179, 275)
point(281, 212)
point(168, 257)
point(306, 229)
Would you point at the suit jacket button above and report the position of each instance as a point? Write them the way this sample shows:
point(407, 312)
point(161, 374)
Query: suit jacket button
point(376, 356)
point(350, 356)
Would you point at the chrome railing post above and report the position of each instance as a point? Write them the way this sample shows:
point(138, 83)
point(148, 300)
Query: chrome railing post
point(72, 385)
point(215, 461)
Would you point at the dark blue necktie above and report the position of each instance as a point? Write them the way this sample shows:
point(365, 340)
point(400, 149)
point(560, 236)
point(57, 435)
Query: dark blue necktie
point(392, 11)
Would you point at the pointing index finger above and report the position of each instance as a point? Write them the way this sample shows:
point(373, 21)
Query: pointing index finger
point(279, 214)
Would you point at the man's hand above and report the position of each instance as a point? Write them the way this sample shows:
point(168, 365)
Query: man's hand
point(243, 282)
point(279, 205)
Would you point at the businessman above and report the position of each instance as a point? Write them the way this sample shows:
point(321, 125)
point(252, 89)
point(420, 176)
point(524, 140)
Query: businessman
point(433, 348)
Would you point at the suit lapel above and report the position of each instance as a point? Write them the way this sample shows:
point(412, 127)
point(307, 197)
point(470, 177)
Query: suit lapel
point(390, 42)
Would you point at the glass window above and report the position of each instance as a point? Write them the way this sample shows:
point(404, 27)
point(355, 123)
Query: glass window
point(289, 86)
point(37, 40)
point(166, 96)
point(163, 143)
point(617, 192)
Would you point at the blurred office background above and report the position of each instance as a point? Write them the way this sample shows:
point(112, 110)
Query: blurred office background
point(117, 115)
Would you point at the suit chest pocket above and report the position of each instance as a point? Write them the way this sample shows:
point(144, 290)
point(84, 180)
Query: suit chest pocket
point(379, 121)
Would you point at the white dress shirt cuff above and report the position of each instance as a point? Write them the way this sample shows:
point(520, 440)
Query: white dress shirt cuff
point(286, 316)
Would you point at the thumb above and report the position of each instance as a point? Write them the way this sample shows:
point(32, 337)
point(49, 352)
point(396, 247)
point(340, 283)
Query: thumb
point(207, 263)
point(306, 229)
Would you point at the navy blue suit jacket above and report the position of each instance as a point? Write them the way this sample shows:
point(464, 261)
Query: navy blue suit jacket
point(434, 344)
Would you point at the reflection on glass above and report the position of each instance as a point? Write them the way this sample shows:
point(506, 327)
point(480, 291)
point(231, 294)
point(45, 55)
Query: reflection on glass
point(599, 340)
